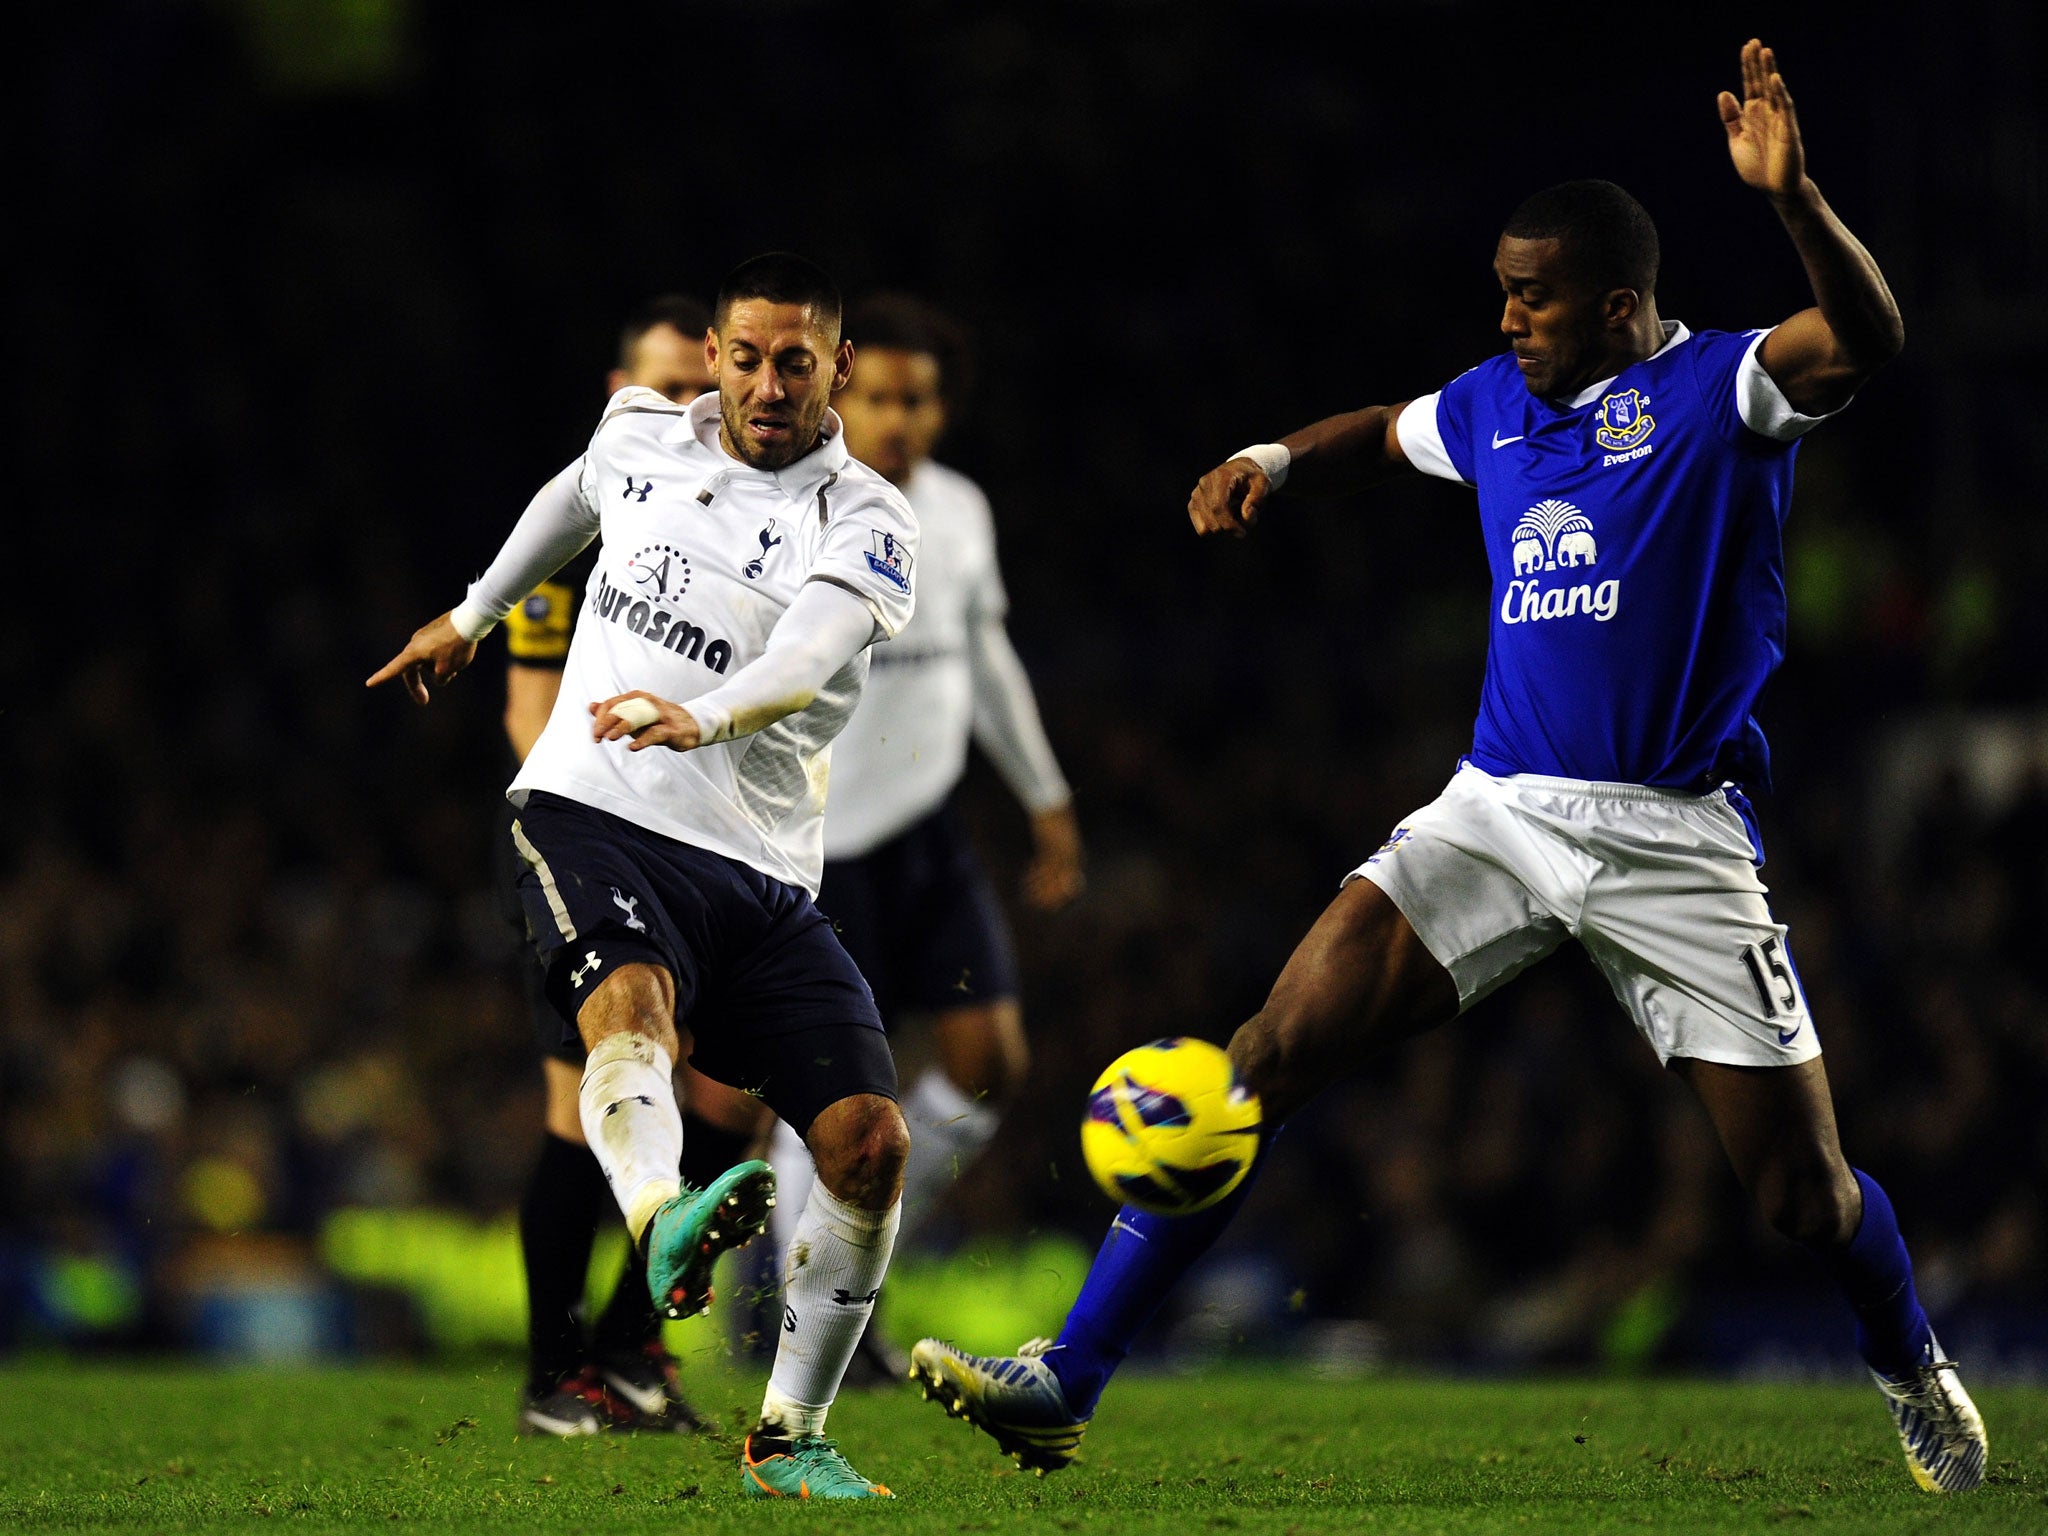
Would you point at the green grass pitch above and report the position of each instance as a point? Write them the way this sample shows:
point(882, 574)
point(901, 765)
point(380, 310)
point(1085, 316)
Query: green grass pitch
point(181, 1448)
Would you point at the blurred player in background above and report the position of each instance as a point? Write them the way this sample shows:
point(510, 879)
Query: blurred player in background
point(672, 834)
point(903, 886)
point(615, 1375)
point(1632, 479)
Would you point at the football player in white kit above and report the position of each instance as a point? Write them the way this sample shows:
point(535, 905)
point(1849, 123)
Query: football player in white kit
point(1632, 480)
point(903, 886)
point(613, 1372)
point(671, 817)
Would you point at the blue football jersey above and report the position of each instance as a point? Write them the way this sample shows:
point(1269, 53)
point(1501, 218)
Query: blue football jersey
point(1638, 574)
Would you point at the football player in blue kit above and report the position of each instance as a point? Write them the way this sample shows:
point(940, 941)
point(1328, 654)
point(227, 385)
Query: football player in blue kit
point(1632, 479)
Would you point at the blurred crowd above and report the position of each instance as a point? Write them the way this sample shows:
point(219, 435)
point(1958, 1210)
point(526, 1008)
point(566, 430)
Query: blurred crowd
point(252, 967)
point(265, 976)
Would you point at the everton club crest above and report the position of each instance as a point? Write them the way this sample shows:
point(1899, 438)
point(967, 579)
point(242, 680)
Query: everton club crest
point(1624, 420)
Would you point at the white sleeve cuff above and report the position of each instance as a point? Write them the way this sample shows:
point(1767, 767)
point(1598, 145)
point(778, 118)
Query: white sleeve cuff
point(714, 723)
point(1422, 442)
point(1763, 406)
point(471, 619)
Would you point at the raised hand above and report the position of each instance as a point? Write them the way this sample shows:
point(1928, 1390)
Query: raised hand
point(1763, 129)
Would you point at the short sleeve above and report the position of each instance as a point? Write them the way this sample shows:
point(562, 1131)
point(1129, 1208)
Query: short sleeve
point(870, 548)
point(1763, 406)
point(1422, 439)
point(1435, 431)
point(537, 630)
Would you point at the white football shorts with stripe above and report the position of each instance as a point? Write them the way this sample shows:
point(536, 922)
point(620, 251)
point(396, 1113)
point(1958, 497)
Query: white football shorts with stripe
point(1660, 887)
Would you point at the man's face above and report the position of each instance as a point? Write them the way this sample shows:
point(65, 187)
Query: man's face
point(1564, 332)
point(893, 411)
point(776, 368)
point(667, 360)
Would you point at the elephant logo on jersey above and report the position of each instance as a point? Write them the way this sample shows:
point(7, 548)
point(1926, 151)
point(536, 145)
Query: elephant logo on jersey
point(1553, 533)
point(890, 560)
point(752, 569)
point(1625, 420)
point(661, 571)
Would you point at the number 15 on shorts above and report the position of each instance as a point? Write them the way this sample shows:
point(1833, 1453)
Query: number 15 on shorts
point(1770, 972)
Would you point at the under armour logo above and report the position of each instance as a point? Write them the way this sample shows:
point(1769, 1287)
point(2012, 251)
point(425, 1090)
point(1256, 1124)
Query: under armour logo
point(848, 1299)
point(638, 492)
point(591, 963)
point(632, 1098)
point(789, 1319)
point(752, 568)
point(626, 904)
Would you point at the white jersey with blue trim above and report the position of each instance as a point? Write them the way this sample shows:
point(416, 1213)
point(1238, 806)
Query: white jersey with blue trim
point(1633, 533)
point(701, 555)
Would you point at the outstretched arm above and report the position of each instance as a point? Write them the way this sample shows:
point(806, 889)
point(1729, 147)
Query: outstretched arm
point(1820, 356)
point(1327, 458)
point(555, 527)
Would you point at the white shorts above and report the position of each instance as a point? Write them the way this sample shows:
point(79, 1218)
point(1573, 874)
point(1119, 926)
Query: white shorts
point(1661, 888)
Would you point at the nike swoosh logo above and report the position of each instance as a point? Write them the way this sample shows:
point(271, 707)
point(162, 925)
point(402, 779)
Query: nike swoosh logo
point(1502, 442)
point(1787, 1036)
point(648, 1400)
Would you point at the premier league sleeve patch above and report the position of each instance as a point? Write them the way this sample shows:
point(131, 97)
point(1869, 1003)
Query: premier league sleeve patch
point(890, 560)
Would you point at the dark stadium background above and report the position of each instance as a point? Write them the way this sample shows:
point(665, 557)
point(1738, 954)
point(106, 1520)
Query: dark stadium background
point(319, 291)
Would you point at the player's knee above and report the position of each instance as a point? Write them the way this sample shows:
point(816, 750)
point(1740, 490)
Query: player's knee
point(638, 999)
point(1274, 1056)
point(860, 1145)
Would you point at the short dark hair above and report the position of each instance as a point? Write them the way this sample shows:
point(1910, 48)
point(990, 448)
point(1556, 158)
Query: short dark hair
point(782, 277)
point(901, 322)
point(686, 314)
point(1607, 236)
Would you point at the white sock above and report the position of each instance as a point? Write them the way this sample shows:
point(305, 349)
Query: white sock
point(948, 1131)
point(628, 1107)
point(831, 1275)
point(794, 1172)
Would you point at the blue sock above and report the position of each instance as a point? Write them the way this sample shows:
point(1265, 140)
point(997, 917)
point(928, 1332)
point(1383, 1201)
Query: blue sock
point(1873, 1271)
point(1142, 1259)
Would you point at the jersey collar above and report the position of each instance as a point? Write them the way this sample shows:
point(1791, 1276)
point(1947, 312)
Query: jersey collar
point(1675, 335)
point(797, 480)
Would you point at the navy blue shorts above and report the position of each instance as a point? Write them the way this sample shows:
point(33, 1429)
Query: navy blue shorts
point(921, 920)
point(541, 1016)
point(773, 1002)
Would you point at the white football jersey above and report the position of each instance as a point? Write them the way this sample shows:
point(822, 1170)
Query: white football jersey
point(700, 555)
point(906, 746)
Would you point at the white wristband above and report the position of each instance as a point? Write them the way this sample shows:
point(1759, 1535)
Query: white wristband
point(470, 621)
point(1272, 458)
